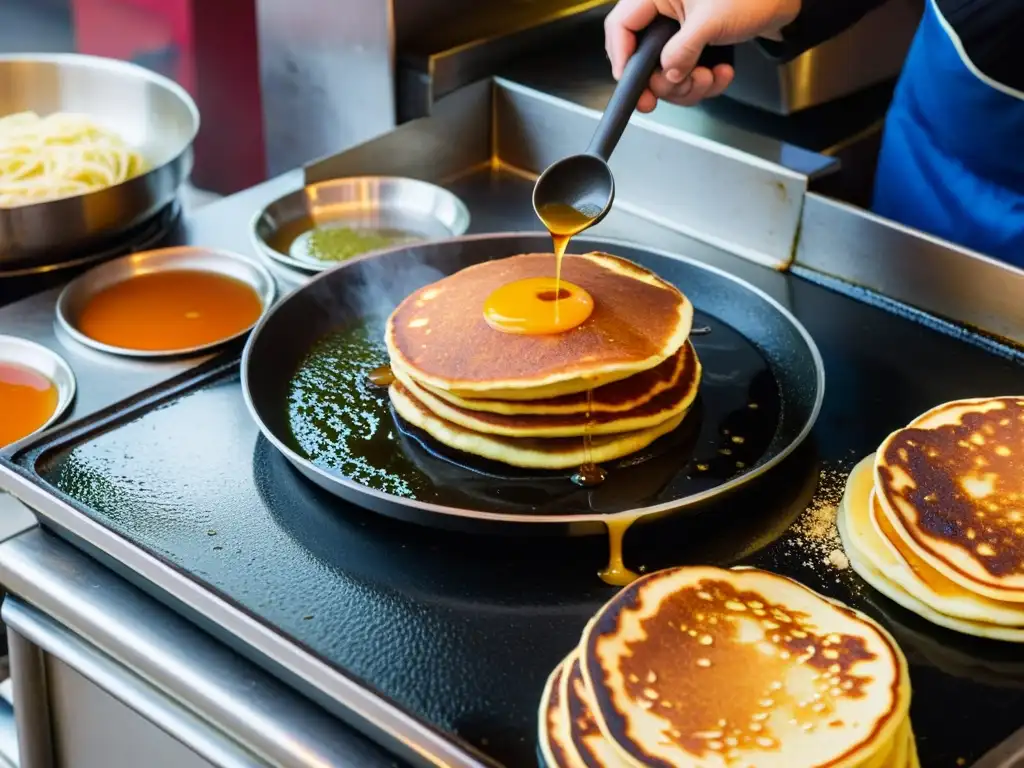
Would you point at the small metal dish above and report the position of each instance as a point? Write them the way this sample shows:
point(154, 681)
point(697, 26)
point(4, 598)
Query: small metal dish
point(78, 292)
point(409, 210)
point(46, 363)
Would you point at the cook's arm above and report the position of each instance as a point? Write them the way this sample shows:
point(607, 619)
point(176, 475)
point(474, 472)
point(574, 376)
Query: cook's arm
point(987, 32)
point(819, 20)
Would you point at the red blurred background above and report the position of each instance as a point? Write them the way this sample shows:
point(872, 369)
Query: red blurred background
point(208, 46)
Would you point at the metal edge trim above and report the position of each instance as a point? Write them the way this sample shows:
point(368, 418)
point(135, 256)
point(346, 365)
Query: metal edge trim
point(138, 695)
point(266, 295)
point(881, 276)
point(732, 484)
point(383, 721)
point(654, 126)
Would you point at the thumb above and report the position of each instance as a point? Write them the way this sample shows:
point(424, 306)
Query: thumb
point(683, 50)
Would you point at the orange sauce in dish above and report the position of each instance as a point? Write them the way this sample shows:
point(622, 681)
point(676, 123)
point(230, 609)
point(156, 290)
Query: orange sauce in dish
point(27, 401)
point(168, 311)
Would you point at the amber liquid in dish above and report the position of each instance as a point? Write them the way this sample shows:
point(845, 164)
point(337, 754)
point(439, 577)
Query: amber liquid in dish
point(27, 401)
point(168, 311)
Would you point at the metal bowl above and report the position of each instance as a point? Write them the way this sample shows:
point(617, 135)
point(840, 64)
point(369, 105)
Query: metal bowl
point(150, 112)
point(422, 210)
point(78, 292)
point(45, 362)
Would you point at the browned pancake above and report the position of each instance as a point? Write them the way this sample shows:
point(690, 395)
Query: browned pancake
point(658, 409)
point(552, 728)
point(953, 485)
point(586, 740)
point(708, 667)
point(622, 395)
point(528, 452)
point(440, 337)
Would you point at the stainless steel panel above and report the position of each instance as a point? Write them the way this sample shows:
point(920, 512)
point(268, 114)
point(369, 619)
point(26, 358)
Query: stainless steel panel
point(454, 139)
point(108, 729)
point(31, 700)
point(714, 193)
point(326, 76)
point(93, 729)
point(186, 665)
point(445, 46)
point(911, 267)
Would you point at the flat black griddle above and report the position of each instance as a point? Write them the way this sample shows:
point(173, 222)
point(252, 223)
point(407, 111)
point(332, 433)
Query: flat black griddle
point(762, 387)
point(461, 631)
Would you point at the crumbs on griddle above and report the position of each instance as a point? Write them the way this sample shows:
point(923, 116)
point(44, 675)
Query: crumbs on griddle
point(814, 534)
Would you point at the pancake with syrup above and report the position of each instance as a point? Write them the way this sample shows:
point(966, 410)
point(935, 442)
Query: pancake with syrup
point(881, 557)
point(441, 337)
point(952, 486)
point(526, 452)
point(670, 403)
point(701, 666)
point(621, 395)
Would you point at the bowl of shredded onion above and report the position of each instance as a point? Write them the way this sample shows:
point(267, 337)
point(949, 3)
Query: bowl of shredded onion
point(90, 148)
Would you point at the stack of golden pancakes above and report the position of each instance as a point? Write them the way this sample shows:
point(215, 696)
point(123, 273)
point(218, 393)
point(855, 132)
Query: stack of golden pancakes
point(704, 667)
point(621, 378)
point(935, 520)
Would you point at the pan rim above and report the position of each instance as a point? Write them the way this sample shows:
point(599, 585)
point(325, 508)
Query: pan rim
point(308, 468)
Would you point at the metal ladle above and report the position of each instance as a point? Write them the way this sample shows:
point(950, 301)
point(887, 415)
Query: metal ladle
point(585, 181)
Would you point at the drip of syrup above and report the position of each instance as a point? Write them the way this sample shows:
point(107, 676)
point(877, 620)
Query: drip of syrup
point(616, 573)
point(563, 221)
point(538, 305)
point(589, 474)
point(381, 377)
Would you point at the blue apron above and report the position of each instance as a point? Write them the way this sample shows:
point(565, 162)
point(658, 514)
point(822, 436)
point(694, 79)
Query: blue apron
point(952, 159)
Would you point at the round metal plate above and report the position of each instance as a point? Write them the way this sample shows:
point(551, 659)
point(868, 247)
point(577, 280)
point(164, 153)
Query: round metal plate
point(757, 352)
point(426, 211)
point(45, 362)
point(78, 292)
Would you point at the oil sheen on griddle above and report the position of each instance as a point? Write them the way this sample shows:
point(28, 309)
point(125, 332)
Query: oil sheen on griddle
point(344, 423)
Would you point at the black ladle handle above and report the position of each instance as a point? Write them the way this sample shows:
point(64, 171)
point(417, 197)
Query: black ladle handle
point(634, 80)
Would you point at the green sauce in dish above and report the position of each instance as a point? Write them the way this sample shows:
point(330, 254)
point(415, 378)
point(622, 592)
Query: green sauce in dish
point(343, 243)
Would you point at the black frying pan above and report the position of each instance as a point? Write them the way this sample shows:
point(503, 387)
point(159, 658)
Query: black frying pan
point(304, 379)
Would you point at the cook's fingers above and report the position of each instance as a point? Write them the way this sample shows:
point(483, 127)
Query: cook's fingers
point(648, 101)
point(620, 27)
point(723, 73)
point(703, 83)
point(682, 51)
point(666, 90)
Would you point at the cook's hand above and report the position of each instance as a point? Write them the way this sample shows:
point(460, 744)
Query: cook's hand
point(704, 22)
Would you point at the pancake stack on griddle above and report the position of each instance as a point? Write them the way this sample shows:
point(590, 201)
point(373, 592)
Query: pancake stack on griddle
point(704, 667)
point(624, 377)
point(935, 520)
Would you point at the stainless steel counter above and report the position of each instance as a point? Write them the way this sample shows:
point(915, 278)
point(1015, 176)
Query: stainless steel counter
point(679, 193)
